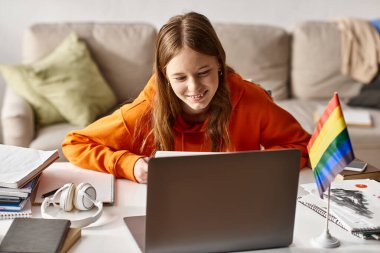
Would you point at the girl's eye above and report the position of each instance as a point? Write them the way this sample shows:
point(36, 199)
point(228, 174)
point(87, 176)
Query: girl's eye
point(204, 73)
point(180, 78)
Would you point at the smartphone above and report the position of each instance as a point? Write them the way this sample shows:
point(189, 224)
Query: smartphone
point(356, 165)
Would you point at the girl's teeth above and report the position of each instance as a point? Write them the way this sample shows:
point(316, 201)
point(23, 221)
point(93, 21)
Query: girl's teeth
point(197, 96)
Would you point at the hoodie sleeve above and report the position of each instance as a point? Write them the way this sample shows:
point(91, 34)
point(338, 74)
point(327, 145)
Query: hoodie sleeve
point(281, 130)
point(103, 146)
point(109, 144)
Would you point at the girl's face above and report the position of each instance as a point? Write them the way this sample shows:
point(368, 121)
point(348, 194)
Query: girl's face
point(194, 79)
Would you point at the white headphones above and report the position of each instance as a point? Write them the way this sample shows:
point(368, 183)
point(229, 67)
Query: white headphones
point(82, 197)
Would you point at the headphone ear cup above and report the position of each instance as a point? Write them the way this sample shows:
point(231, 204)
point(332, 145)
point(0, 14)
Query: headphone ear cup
point(66, 198)
point(80, 201)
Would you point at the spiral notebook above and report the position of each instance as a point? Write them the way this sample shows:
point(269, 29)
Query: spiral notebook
point(355, 205)
point(26, 212)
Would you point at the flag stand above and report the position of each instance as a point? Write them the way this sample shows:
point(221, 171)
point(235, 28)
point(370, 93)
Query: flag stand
point(326, 240)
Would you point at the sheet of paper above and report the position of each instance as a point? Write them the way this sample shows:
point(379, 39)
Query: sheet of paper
point(59, 174)
point(183, 153)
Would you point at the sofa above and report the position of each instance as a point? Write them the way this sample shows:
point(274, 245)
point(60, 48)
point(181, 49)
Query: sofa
point(301, 68)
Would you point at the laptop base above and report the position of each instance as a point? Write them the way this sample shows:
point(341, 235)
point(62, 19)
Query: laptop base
point(136, 225)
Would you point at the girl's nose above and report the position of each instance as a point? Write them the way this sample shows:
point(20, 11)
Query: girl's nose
point(193, 84)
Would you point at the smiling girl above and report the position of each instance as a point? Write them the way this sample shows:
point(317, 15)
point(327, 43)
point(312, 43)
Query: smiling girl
point(193, 102)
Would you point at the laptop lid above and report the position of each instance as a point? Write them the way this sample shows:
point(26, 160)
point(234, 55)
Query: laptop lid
point(221, 202)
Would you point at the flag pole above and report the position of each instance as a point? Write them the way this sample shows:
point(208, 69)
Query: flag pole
point(326, 240)
point(328, 209)
point(329, 154)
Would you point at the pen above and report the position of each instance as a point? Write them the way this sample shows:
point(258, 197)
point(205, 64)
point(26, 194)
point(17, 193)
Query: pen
point(47, 194)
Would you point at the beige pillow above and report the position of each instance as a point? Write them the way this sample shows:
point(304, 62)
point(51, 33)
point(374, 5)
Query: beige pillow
point(69, 80)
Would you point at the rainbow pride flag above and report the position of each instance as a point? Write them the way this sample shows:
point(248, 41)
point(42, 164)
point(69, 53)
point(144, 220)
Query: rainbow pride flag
point(330, 148)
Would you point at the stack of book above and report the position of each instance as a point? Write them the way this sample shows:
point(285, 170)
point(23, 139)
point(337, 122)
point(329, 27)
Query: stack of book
point(355, 205)
point(14, 200)
point(20, 170)
point(370, 172)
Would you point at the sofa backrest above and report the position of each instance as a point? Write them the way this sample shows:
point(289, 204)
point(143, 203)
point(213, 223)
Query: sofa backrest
point(124, 52)
point(259, 53)
point(309, 58)
point(316, 62)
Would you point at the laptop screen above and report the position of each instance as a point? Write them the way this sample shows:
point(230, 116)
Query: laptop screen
point(224, 202)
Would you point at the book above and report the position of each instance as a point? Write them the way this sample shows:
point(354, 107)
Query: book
point(14, 194)
point(27, 188)
point(371, 172)
point(19, 165)
point(59, 174)
point(35, 235)
point(353, 116)
point(22, 192)
point(72, 237)
point(26, 212)
point(13, 206)
point(6, 199)
point(355, 205)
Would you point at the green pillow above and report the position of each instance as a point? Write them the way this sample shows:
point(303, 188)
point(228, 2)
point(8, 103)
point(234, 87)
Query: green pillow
point(69, 80)
point(17, 78)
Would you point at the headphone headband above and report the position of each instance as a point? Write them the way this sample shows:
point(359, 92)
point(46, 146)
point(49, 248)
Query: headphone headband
point(75, 223)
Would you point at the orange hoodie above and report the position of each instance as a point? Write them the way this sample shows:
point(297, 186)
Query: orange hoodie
point(110, 144)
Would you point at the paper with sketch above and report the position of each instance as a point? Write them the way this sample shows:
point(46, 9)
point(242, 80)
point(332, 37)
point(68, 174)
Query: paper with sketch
point(356, 203)
point(59, 174)
point(18, 165)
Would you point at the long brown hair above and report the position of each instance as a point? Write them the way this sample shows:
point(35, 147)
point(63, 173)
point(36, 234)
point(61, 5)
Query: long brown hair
point(196, 32)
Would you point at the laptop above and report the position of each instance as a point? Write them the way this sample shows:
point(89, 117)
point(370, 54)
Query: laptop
point(219, 202)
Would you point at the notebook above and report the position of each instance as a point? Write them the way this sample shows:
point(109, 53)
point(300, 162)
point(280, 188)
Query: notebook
point(20, 192)
point(13, 205)
point(219, 203)
point(355, 205)
point(26, 212)
point(19, 165)
point(35, 235)
point(59, 174)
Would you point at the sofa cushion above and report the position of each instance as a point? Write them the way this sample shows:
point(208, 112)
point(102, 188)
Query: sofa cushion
point(70, 80)
point(259, 53)
point(369, 95)
point(316, 62)
point(16, 77)
point(50, 137)
point(124, 52)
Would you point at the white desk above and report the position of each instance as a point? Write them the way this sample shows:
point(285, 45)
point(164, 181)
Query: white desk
point(109, 233)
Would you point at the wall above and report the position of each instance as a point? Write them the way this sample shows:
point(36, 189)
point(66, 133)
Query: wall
point(16, 15)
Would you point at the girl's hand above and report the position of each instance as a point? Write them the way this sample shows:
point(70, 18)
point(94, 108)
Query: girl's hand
point(140, 170)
